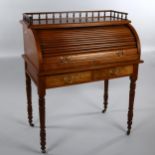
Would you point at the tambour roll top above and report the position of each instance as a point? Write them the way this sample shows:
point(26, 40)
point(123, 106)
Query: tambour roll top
point(85, 40)
point(67, 41)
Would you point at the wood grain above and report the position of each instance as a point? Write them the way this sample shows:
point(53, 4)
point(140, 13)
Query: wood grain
point(87, 76)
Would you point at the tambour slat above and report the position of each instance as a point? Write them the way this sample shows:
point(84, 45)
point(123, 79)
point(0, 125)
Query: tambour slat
point(81, 41)
point(91, 46)
point(89, 51)
point(87, 46)
point(85, 31)
point(70, 32)
point(86, 51)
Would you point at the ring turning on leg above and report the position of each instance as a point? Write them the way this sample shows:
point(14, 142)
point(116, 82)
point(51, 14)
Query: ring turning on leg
point(42, 122)
point(131, 103)
point(29, 99)
point(106, 83)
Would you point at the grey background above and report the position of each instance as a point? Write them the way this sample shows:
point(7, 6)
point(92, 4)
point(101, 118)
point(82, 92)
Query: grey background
point(141, 12)
point(75, 124)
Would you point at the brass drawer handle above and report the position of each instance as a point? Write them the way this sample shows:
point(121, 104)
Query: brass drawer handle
point(64, 60)
point(68, 79)
point(114, 71)
point(119, 53)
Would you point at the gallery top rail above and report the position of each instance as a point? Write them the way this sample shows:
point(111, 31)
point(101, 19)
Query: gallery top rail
point(40, 18)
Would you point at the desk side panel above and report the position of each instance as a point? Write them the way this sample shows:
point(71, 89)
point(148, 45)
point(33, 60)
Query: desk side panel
point(32, 48)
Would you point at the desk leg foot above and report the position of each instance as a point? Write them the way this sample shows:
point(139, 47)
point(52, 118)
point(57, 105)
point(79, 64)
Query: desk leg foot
point(128, 132)
point(106, 83)
point(32, 125)
point(104, 110)
point(42, 122)
point(43, 151)
point(29, 99)
point(131, 103)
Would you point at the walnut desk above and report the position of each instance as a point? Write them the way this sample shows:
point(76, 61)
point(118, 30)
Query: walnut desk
point(66, 48)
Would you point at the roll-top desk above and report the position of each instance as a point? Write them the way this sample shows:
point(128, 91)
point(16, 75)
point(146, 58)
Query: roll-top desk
point(66, 48)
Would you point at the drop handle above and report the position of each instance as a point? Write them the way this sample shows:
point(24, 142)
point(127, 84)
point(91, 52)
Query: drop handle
point(64, 60)
point(119, 53)
point(114, 71)
point(68, 79)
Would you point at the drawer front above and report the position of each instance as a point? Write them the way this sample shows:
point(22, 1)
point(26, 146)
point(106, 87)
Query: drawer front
point(89, 60)
point(67, 79)
point(87, 76)
point(112, 72)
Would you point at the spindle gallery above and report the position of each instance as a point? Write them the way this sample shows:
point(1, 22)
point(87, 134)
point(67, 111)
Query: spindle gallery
point(66, 48)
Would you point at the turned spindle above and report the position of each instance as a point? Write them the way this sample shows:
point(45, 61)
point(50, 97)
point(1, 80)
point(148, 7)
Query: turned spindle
point(29, 99)
point(106, 83)
point(42, 120)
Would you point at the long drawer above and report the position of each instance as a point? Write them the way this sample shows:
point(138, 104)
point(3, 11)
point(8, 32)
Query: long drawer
point(90, 60)
point(87, 76)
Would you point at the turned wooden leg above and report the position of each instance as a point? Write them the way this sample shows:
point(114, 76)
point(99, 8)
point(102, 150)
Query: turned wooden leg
point(131, 102)
point(42, 121)
point(29, 99)
point(106, 83)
